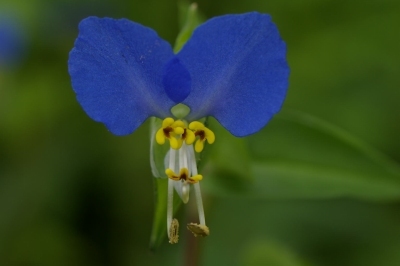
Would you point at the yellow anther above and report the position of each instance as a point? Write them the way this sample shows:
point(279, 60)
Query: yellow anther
point(167, 122)
point(210, 136)
point(195, 125)
point(169, 130)
point(179, 130)
point(204, 134)
point(174, 232)
point(188, 136)
point(175, 143)
point(196, 178)
point(198, 147)
point(198, 229)
point(160, 138)
point(183, 175)
point(171, 174)
point(178, 123)
point(177, 133)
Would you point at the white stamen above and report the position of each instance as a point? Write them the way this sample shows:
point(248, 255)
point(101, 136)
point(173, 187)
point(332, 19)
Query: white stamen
point(184, 186)
point(170, 197)
point(199, 202)
point(181, 159)
point(184, 153)
point(185, 192)
point(170, 204)
point(197, 191)
point(172, 155)
point(192, 159)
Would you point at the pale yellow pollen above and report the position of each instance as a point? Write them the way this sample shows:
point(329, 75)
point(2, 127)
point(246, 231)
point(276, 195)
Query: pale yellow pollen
point(174, 232)
point(198, 229)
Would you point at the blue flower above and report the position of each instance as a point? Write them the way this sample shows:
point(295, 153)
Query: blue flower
point(233, 68)
point(12, 41)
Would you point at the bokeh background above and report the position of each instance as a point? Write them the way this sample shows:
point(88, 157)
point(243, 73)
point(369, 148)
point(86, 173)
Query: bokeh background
point(318, 186)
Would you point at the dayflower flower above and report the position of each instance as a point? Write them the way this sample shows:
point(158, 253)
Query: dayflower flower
point(233, 68)
point(12, 41)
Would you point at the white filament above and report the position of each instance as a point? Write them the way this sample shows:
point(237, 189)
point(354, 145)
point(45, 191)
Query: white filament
point(183, 188)
point(170, 197)
point(197, 191)
point(172, 155)
point(183, 158)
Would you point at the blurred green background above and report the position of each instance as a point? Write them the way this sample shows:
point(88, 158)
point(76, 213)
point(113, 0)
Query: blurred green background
point(320, 185)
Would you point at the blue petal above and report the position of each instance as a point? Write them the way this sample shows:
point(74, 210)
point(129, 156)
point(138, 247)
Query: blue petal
point(176, 80)
point(239, 71)
point(116, 68)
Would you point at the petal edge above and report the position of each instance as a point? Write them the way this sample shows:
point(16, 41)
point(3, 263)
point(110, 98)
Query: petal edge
point(115, 68)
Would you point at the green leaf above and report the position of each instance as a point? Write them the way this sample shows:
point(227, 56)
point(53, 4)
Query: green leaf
point(159, 228)
point(300, 156)
point(190, 19)
point(227, 160)
point(271, 254)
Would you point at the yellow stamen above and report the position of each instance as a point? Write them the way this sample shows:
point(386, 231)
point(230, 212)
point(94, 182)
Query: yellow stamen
point(179, 123)
point(160, 138)
point(196, 178)
point(204, 133)
point(198, 147)
point(177, 133)
point(169, 130)
point(167, 122)
point(183, 175)
point(210, 136)
point(178, 130)
point(189, 136)
point(196, 125)
point(174, 143)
